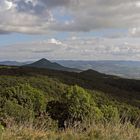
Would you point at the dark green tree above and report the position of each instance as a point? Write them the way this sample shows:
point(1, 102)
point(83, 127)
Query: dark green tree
point(76, 105)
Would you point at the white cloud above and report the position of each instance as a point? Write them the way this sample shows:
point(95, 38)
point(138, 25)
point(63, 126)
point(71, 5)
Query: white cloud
point(75, 48)
point(54, 41)
point(5, 5)
point(138, 4)
point(135, 32)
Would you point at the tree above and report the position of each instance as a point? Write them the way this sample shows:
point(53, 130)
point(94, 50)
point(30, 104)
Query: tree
point(58, 111)
point(26, 96)
point(80, 103)
point(76, 105)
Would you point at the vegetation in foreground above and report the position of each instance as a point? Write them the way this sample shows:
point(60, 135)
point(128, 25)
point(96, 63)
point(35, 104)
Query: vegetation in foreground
point(96, 131)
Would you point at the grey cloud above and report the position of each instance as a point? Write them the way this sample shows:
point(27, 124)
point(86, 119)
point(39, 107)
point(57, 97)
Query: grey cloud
point(55, 3)
point(86, 15)
point(39, 6)
point(43, 51)
point(23, 6)
point(99, 15)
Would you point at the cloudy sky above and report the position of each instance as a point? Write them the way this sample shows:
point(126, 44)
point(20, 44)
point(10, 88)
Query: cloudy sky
point(70, 29)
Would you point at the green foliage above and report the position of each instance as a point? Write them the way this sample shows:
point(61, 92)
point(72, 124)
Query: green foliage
point(79, 102)
point(22, 102)
point(26, 96)
point(110, 113)
point(17, 112)
point(1, 129)
point(76, 105)
point(129, 113)
point(97, 114)
point(28, 93)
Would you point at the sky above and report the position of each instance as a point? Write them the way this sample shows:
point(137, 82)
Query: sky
point(69, 30)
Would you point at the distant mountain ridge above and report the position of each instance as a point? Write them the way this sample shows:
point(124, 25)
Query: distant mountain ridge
point(14, 63)
point(126, 69)
point(44, 63)
point(11, 63)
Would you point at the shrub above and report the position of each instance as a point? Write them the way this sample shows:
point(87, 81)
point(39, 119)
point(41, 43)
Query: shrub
point(17, 112)
point(110, 113)
point(26, 96)
point(76, 105)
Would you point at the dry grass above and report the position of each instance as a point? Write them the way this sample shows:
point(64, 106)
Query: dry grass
point(98, 131)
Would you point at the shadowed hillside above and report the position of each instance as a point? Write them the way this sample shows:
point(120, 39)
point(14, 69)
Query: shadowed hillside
point(112, 85)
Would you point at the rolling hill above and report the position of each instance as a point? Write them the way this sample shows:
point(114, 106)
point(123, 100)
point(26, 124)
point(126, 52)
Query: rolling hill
point(126, 69)
point(123, 90)
point(44, 63)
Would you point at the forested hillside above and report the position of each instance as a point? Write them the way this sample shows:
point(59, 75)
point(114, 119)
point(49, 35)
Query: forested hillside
point(41, 95)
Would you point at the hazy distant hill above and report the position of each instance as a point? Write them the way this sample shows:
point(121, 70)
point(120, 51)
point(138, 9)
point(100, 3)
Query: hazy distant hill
point(14, 63)
point(44, 63)
point(127, 69)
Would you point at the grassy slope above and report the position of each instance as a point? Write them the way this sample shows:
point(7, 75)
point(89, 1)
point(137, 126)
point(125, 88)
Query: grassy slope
point(94, 132)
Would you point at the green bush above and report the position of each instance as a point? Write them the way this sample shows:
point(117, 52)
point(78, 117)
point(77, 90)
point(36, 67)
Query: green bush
point(25, 96)
point(80, 102)
point(17, 112)
point(76, 105)
point(110, 113)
